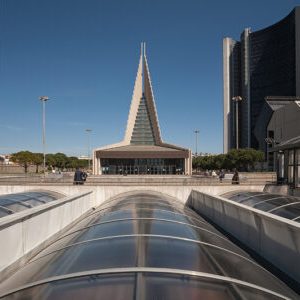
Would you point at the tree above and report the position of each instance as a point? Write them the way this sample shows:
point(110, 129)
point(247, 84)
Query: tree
point(23, 158)
point(37, 160)
point(241, 159)
point(50, 161)
point(60, 160)
point(72, 162)
point(244, 159)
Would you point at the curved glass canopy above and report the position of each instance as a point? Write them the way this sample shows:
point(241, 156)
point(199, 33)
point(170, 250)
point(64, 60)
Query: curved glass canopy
point(13, 203)
point(143, 246)
point(280, 205)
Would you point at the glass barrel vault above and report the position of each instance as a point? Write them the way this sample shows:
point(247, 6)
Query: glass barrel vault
point(143, 246)
point(13, 203)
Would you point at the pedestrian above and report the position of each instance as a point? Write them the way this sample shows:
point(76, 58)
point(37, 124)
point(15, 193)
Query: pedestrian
point(83, 176)
point(235, 178)
point(78, 177)
point(221, 175)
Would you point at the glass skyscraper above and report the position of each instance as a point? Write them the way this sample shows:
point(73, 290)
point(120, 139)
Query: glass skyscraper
point(263, 63)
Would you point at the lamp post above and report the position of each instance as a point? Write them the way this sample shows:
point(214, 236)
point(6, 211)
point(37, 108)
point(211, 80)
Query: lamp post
point(89, 145)
point(237, 99)
point(44, 99)
point(196, 135)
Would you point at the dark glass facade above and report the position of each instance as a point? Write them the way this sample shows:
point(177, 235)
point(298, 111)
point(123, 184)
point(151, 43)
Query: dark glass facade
point(272, 72)
point(267, 65)
point(149, 166)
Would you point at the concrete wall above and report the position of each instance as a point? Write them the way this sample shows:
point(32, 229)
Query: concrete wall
point(13, 169)
point(102, 193)
point(23, 233)
point(274, 238)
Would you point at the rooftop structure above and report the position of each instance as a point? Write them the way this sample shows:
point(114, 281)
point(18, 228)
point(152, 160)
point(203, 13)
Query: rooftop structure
point(280, 205)
point(284, 145)
point(13, 203)
point(143, 246)
point(142, 151)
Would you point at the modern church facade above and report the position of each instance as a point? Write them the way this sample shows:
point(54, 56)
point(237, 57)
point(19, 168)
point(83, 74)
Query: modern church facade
point(142, 151)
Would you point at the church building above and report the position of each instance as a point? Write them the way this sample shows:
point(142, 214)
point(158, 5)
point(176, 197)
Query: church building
point(142, 150)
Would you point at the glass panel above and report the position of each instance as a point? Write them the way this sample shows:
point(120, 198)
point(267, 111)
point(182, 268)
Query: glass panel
point(297, 156)
point(21, 201)
point(144, 205)
point(142, 131)
point(242, 196)
point(187, 287)
point(94, 232)
point(202, 258)
point(290, 174)
point(107, 215)
point(291, 157)
point(116, 287)
point(32, 202)
point(3, 212)
point(297, 177)
point(15, 207)
point(271, 204)
point(289, 212)
point(112, 253)
point(141, 227)
point(253, 201)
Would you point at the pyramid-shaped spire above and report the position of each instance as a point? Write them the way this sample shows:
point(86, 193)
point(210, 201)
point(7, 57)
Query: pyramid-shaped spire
point(142, 125)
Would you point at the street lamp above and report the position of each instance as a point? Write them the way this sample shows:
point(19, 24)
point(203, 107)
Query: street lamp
point(89, 145)
point(237, 99)
point(44, 99)
point(196, 134)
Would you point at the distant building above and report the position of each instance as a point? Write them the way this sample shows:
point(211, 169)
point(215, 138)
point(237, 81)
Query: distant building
point(284, 142)
point(5, 159)
point(263, 63)
point(142, 151)
point(83, 157)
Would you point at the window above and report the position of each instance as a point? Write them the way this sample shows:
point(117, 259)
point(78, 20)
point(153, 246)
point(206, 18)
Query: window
point(297, 168)
point(291, 166)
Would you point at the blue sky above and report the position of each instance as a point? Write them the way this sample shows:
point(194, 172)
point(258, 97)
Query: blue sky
point(83, 54)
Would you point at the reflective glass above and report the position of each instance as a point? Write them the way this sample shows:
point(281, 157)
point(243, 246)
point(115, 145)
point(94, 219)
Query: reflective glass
point(291, 157)
point(154, 227)
point(290, 174)
point(271, 204)
point(297, 176)
point(240, 196)
point(143, 213)
point(112, 253)
point(3, 212)
point(22, 201)
point(203, 258)
point(93, 232)
point(289, 212)
point(116, 287)
point(188, 287)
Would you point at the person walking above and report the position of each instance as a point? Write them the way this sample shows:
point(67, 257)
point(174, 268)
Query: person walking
point(221, 175)
point(84, 176)
point(235, 178)
point(78, 177)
